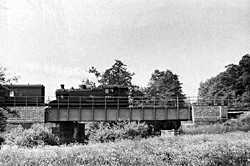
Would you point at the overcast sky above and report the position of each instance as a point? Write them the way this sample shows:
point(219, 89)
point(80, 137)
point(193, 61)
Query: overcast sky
point(55, 41)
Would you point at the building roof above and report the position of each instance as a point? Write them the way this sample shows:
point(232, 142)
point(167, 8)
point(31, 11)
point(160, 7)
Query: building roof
point(24, 85)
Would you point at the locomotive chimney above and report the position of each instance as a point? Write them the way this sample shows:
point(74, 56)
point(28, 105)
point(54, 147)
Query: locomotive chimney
point(62, 86)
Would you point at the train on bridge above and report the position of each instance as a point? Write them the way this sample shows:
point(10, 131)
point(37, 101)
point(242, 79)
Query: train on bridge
point(22, 95)
point(72, 108)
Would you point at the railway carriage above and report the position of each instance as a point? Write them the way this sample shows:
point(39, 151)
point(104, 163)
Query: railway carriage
point(22, 95)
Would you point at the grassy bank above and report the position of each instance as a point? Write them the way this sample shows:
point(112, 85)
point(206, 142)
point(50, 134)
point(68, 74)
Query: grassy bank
point(213, 149)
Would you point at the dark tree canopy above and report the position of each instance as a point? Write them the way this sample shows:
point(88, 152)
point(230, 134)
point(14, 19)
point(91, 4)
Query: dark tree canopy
point(3, 119)
point(116, 75)
point(165, 85)
point(233, 83)
point(3, 111)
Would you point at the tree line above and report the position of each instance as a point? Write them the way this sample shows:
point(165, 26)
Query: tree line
point(233, 83)
point(162, 84)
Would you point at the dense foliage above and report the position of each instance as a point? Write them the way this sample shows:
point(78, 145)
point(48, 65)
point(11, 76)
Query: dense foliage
point(233, 83)
point(165, 88)
point(105, 132)
point(116, 75)
point(240, 124)
point(3, 111)
point(3, 119)
point(231, 149)
point(165, 84)
point(35, 136)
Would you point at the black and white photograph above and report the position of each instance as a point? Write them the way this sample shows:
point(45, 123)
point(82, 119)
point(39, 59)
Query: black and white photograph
point(125, 82)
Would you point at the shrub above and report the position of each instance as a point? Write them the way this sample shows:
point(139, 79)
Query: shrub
point(12, 135)
point(36, 135)
point(240, 124)
point(2, 120)
point(105, 132)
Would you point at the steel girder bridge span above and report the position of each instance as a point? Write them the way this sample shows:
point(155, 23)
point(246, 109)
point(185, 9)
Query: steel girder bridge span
point(70, 121)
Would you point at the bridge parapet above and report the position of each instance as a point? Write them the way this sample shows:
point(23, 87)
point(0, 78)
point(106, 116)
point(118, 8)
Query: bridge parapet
point(136, 113)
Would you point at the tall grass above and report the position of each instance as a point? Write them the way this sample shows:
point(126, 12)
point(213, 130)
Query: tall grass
point(200, 150)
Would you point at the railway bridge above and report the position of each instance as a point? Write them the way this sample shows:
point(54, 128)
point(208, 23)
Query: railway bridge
point(70, 118)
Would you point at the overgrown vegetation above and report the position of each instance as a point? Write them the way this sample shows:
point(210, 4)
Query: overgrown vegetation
point(165, 85)
point(233, 83)
point(2, 120)
point(4, 79)
point(217, 147)
point(200, 150)
point(240, 124)
point(35, 136)
point(105, 132)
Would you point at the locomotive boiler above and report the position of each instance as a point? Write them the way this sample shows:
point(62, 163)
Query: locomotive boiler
point(99, 97)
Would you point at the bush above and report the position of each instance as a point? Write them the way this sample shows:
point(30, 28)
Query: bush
point(36, 135)
point(105, 132)
point(240, 124)
point(2, 120)
point(12, 135)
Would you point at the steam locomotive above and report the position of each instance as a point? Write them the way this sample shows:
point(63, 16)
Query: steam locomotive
point(109, 96)
point(101, 97)
point(34, 95)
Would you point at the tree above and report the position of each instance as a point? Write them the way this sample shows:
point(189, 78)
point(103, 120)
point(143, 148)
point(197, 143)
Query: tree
point(244, 79)
point(233, 83)
point(4, 79)
point(116, 75)
point(87, 84)
point(165, 85)
point(3, 111)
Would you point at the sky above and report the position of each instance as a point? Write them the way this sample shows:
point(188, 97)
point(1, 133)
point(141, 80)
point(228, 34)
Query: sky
point(54, 42)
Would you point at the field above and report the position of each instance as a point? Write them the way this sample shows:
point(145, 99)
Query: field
point(130, 143)
point(199, 150)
